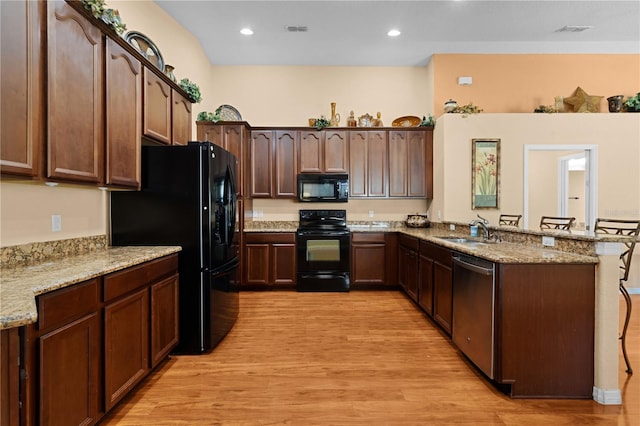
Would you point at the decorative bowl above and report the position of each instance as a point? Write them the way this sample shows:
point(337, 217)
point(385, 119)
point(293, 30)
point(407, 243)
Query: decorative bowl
point(417, 221)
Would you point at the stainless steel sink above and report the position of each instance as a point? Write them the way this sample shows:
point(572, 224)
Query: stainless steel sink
point(466, 241)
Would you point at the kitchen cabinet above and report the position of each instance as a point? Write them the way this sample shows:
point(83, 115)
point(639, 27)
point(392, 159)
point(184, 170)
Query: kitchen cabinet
point(123, 83)
point(21, 89)
point(232, 136)
point(95, 340)
point(324, 151)
point(367, 163)
point(373, 260)
point(272, 164)
point(156, 108)
point(411, 163)
point(442, 285)
point(75, 101)
point(180, 118)
point(10, 372)
point(425, 283)
point(408, 265)
point(270, 260)
point(62, 358)
point(129, 329)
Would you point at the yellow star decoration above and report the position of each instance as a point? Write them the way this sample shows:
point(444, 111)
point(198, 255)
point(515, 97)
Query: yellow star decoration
point(581, 102)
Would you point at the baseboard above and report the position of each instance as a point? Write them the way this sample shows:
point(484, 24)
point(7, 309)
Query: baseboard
point(607, 396)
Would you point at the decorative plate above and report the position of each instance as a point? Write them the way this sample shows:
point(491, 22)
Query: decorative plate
point(407, 121)
point(229, 113)
point(146, 47)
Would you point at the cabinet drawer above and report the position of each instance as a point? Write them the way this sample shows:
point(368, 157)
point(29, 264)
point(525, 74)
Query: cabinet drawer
point(61, 306)
point(270, 237)
point(439, 254)
point(410, 242)
point(367, 237)
point(122, 282)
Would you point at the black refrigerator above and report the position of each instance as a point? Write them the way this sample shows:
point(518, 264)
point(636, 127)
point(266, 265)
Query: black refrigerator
point(188, 198)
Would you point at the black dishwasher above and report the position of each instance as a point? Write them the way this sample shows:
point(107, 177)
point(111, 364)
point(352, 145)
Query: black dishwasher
point(473, 310)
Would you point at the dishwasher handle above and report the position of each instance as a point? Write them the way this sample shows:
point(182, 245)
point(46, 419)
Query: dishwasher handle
point(473, 265)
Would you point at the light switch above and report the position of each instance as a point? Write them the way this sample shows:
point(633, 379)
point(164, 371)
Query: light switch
point(56, 223)
point(465, 81)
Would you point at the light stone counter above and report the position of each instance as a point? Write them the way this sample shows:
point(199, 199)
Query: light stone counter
point(19, 285)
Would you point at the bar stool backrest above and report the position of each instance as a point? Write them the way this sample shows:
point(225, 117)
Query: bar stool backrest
point(510, 219)
point(557, 222)
point(630, 228)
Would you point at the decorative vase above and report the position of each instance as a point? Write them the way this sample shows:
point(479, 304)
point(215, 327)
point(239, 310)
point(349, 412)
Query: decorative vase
point(168, 70)
point(450, 105)
point(335, 118)
point(615, 103)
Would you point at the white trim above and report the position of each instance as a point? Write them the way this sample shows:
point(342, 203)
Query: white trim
point(591, 179)
point(607, 396)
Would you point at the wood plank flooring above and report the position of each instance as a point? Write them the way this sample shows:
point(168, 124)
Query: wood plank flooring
point(358, 358)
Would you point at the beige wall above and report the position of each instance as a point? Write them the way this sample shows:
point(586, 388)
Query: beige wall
point(519, 83)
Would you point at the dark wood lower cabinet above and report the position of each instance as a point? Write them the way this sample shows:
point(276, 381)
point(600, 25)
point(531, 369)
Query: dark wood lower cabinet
point(270, 260)
point(408, 265)
point(368, 260)
point(126, 345)
point(93, 342)
point(10, 374)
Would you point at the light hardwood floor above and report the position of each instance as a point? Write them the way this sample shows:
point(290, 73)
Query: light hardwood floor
point(358, 358)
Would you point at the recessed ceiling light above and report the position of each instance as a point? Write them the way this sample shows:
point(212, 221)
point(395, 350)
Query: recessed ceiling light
point(246, 31)
point(393, 33)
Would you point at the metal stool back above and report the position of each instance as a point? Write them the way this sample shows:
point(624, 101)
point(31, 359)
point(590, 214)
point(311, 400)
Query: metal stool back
point(510, 219)
point(630, 228)
point(557, 222)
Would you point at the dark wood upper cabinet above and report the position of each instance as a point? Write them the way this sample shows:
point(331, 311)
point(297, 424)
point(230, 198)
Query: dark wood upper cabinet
point(261, 164)
point(323, 151)
point(123, 116)
point(181, 118)
point(21, 88)
point(75, 113)
point(285, 175)
point(368, 163)
point(157, 108)
point(411, 163)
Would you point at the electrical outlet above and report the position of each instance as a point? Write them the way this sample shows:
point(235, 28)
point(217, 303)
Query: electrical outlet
point(452, 227)
point(548, 241)
point(439, 215)
point(56, 223)
point(371, 213)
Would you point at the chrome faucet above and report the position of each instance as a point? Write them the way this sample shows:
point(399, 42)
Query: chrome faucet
point(484, 224)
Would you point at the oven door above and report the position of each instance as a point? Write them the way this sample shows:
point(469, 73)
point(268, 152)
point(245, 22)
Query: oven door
point(323, 261)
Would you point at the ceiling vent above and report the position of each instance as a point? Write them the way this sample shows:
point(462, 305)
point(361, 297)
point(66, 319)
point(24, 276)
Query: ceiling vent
point(296, 28)
point(574, 28)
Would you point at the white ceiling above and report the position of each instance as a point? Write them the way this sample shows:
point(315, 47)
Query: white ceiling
point(353, 33)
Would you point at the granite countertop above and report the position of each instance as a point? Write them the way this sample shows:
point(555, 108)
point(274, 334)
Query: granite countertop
point(502, 252)
point(19, 285)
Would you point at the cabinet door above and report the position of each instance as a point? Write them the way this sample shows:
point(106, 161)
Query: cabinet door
point(358, 165)
point(416, 170)
point(412, 275)
point(123, 116)
point(335, 152)
point(425, 285)
point(126, 345)
point(261, 157)
point(164, 318)
point(210, 132)
point(75, 147)
point(10, 372)
point(377, 164)
point(285, 165)
point(180, 119)
point(157, 108)
point(21, 88)
point(69, 373)
point(257, 263)
point(367, 264)
point(236, 137)
point(398, 163)
point(442, 295)
point(311, 158)
point(283, 263)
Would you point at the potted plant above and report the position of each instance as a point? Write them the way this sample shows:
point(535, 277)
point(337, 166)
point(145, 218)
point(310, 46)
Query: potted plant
point(192, 90)
point(632, 104)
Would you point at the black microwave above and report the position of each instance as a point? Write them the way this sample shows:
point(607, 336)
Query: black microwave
point(322, 187)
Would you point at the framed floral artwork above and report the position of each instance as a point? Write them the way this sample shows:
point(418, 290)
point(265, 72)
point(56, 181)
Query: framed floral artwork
point(485, 173)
